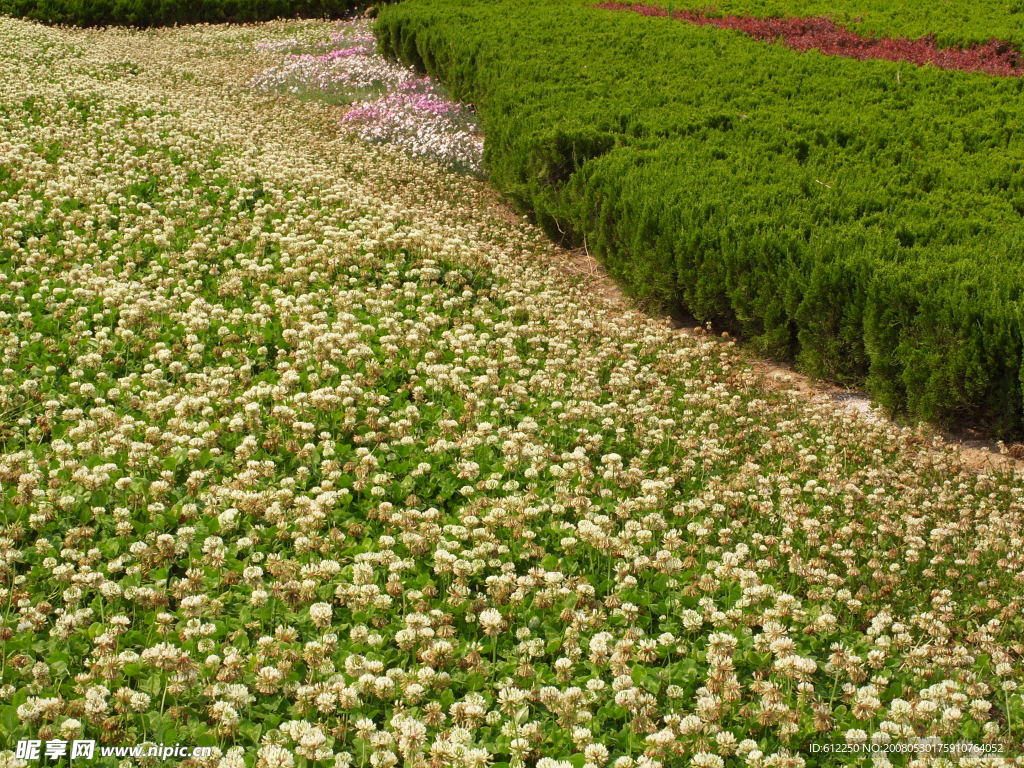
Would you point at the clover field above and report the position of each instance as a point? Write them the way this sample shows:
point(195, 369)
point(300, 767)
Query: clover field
point(310, 452)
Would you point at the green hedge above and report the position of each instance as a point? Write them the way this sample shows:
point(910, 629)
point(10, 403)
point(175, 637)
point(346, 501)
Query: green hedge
point(863, 218)
point(156, 13)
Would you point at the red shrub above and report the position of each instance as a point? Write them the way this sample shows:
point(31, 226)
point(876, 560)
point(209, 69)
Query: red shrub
point(996, 57)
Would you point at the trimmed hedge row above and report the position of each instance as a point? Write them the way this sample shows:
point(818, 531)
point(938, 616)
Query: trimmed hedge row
point(863, 218)
point(157, 13)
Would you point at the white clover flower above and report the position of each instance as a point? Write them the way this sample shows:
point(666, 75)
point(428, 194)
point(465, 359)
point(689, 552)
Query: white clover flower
point(596, 753)
point(274, 756)
point(321, 614)
point(706, 760)
point(491, 621)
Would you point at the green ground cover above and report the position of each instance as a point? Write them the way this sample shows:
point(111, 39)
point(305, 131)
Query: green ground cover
point(156, 13)
point(861, 217)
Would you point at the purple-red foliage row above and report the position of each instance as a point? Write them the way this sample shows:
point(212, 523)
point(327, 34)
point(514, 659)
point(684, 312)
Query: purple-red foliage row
point(996, 57)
